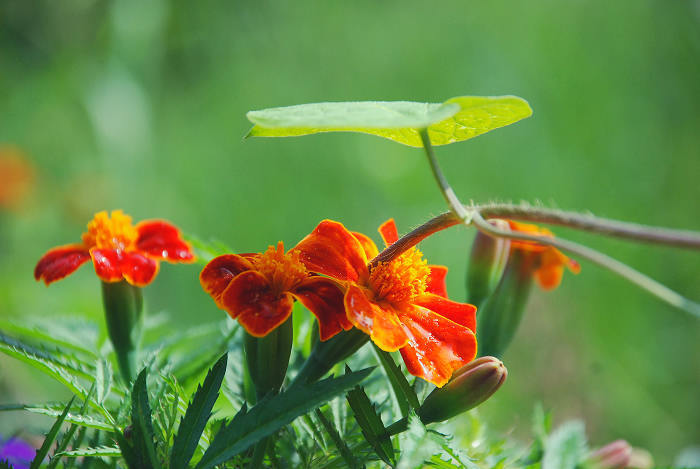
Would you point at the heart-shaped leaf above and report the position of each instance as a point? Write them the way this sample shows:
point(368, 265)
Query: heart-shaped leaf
point(455, 120)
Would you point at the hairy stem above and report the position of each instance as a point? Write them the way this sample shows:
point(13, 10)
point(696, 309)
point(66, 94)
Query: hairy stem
point(652, 286)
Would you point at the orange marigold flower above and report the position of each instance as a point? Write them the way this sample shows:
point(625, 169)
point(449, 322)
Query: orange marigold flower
point(402, 305)
point(119, 250)
point(551, 261)
point(259, 291)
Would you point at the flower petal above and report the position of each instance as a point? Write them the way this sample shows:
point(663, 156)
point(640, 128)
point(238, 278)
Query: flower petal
point(250, 299)
point(332, 250)
point(436, 280)
point(389, 232)
point(138, 269)
point(161, 240)
point(324, 299)
point(551, 268)
point(60, 262)
point(378, 321)
point(462, 313)
point(368, 245)
point(108, 264)
point(436, 346)
point(219, 272)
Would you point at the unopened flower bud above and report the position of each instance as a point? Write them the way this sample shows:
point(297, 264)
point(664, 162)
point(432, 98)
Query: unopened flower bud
point(470, 386)
point(499, 316)
point(123, 305)
point(486, 262)
point(613, 455)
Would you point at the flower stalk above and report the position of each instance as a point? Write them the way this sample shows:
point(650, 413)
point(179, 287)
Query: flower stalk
point(123, 305)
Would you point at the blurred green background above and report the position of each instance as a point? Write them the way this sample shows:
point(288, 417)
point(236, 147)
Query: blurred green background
point(141, 106)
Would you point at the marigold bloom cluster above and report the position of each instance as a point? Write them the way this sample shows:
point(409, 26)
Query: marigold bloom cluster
point(402, 305)
point(118, 249)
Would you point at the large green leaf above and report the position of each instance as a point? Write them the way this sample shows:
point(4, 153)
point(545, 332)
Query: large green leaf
point(271, 414)
point(403, 392)
point(455, 120)
point(371, 424)
point(142, 423)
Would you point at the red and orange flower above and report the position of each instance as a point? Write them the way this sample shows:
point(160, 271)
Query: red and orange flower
point(118, 249)
point(259, 291)
point(402, 305)
point(550, 261)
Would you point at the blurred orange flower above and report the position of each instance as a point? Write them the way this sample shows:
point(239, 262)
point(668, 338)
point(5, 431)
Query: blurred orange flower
point(16, 177)
point(118, 249)
point(259, 291)
point(550, 262)
point(402, 305)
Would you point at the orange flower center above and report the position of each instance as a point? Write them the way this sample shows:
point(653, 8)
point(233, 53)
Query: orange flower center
point(111, 232)
point(283, 271)
point(402, 279)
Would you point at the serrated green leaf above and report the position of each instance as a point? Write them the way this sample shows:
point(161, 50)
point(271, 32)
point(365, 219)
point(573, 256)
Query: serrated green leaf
point(420, 444)
point(343, 449)
point(142, 423)
point(198, 413)
point(82, 420)
point(403, 392)
point(565, 447)
point(371, 425)
point(103, 379)
point(66, 332)
point(455, 120)
point(68, 436)
point(51, 368)
point(272, 413)
point(101, 451)
point(50, 437)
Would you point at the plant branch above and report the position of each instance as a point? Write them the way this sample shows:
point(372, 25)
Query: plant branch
point(652, 286)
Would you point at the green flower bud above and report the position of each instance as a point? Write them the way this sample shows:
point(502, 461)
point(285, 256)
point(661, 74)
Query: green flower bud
point(486, 263)
point(324, 355)
point(470, 386)
point(267, 358)
point(123, 305)
point(499, 316)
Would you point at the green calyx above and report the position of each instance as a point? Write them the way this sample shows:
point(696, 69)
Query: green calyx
point(267, 358)
point(123, 305)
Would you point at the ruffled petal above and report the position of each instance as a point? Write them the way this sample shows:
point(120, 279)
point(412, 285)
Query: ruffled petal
point(219, 272)
point(389, 232)
point(59, 262)
point(108, 264)
point(436, 280)
point(551, 268)
point(250, 299)
point(436, 346)
point(324, 299)
point(368, 245)
point(379, 321)
point(461, 313)
point(138, 269)
point(332, 250)
point(161, 240)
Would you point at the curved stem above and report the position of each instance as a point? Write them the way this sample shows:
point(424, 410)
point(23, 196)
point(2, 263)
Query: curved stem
point(652, 286)
point(450, 196)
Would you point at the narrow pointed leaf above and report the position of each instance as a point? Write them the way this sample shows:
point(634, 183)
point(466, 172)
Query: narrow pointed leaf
point(50, 438)
point(81, 420)
point(197, 415)
point(420, 444)
point(404, 393)
point(343, 449)
point(143, 425)
point(455, 120)
point(371, 425)
point(104, 451)
point(68, 436)
point(272, 413)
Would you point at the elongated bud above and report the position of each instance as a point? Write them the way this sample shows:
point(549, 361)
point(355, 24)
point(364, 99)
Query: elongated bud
point(619, 454)
point(470, 386)
point(486, 263)
point(123, 305)
point(324, 355)
point(268, 357)
point(499, 316)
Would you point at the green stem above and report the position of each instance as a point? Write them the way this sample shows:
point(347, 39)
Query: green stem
point(450, 196)
point(652, 286)
point(123, 305)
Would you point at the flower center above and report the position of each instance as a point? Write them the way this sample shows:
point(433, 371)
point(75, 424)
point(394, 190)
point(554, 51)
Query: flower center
point(115, 232)
point(402, 279)
point(283, 271)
